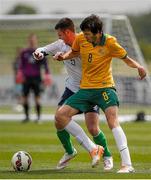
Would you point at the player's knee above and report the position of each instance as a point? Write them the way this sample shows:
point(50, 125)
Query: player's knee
point(60, 118)
point(113, 123)
point(58, 125)
point(93, 130)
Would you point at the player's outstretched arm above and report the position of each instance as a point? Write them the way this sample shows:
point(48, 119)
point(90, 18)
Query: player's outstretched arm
point(132, 63)
point(68, 55)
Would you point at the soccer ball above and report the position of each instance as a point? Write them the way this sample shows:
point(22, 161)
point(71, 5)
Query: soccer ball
point(21, 161)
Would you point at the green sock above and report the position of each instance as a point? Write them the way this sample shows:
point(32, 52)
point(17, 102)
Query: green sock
point(100, 139)
point(64, 137)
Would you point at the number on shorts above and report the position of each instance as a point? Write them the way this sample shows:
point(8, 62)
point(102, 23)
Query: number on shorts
point(105, 96)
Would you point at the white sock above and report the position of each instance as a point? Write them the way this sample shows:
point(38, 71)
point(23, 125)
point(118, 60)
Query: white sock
point(73, 128)
point(121, 142)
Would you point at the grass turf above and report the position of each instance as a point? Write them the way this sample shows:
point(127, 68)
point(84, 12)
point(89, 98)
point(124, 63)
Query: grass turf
point(42, 143)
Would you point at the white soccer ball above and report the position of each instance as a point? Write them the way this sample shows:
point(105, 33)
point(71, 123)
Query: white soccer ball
point(21, 161)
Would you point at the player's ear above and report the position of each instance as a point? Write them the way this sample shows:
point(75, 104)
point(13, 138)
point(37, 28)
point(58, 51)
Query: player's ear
point(67, 31)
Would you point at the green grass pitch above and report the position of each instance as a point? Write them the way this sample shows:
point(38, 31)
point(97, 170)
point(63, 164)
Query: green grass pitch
point(42, 143)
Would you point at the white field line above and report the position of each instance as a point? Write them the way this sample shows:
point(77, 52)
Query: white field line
point(50, 117)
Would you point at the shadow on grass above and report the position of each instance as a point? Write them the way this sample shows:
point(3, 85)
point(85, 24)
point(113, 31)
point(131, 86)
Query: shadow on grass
point(54, 171)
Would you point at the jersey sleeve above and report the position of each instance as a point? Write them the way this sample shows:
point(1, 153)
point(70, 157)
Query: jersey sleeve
point(76, 44)
point(115, 49)
point(52, 48)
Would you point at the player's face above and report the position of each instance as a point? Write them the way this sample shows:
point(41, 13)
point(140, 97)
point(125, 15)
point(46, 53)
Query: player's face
point(33, 41)
point(90, 37)
point(64, 35)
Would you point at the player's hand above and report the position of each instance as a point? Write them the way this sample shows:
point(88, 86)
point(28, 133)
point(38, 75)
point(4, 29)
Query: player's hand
point(58, 56)
point(38, 55)
point(142, 72)
point(47, 80)
point(19, 77)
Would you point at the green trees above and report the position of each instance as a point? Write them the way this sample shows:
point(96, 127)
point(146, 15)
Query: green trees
point(22, 9)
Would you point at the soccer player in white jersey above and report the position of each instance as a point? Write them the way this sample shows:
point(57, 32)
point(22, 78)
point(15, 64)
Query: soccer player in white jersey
point(66, 33)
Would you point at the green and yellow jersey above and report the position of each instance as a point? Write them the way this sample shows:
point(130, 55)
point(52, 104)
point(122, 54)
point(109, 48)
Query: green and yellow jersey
point(96, 60)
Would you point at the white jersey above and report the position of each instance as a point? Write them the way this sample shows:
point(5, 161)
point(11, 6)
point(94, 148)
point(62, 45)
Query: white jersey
point(73, 66)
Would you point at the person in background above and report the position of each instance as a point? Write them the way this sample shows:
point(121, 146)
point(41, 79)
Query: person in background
point(29, 74)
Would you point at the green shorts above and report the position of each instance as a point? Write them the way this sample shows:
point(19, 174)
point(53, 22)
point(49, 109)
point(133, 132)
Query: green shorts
point(85, 99)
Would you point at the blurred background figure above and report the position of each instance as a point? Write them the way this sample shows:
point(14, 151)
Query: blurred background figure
point(18, 84)
point(30, 75)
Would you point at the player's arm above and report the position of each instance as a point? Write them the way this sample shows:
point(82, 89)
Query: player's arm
point(19, 75)
point(68, 55)
point(74, 52)
point(51, 49)
point(132, 63)
point(116, 50)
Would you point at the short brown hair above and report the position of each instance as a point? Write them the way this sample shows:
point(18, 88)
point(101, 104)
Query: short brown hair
point(65, 23)
point(92, 23)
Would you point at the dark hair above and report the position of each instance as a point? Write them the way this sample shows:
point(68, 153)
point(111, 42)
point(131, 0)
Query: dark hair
point(92, 23)
point(65, 23)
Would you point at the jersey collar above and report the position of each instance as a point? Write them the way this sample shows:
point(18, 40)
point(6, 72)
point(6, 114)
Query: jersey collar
point(102, 40)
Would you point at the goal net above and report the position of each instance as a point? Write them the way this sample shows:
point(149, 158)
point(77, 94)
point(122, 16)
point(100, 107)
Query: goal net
point(134, 94)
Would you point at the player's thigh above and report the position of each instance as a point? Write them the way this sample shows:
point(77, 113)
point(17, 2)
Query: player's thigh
point(111, 114)
point(63, 116)
point(66, 111)
point(36, 86)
